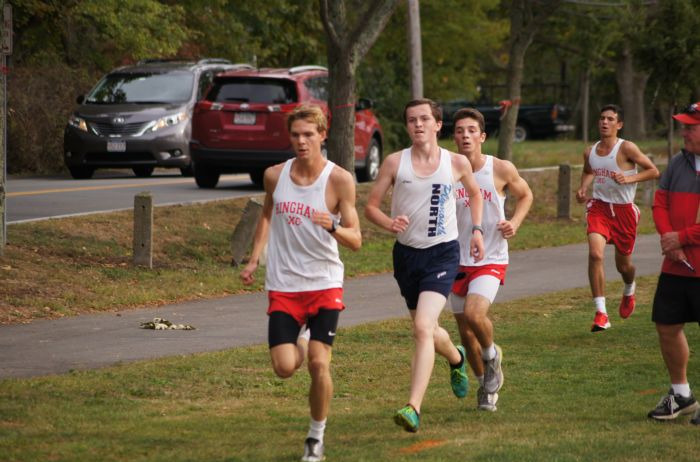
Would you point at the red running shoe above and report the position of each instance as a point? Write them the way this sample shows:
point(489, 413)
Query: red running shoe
point(627, 306)
point(600, 322)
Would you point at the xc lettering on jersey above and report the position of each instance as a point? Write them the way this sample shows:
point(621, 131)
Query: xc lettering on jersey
point(441, 193)
point(294, 211)
point(462, 195)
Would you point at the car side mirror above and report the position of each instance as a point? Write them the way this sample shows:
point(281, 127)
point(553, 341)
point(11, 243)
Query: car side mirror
point(364, 103)
point(80, 99)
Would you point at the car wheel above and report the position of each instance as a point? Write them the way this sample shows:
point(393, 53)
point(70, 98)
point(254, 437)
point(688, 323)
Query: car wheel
point(521, 133)
point(187, 171)
point(143, 172)
point(372, 162)
point(81, 173)
point(256, 176)
point(206, 178)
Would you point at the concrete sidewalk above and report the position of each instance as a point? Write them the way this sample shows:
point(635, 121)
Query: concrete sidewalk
point(91, 341)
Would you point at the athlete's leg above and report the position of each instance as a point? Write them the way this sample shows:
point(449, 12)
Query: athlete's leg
point(471, 344)
point(321, 389)
point(287, 349)
point(596, 272)
point(475, 312)
point(624, 266)
point(429, 338)
point(674, 349)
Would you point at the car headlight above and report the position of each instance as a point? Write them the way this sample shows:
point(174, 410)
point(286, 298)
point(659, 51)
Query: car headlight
point(167, 121)
point(78, 122)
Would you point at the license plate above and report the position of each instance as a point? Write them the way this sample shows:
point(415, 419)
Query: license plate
point(244, 118)
point(116, 146)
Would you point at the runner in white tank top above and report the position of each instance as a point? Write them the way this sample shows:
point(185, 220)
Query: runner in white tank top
point(304, 255)
point(477, 282)
point(611, 216)
point(427, 201)
point(426, 253)
point(495, 245)
point(309, 209)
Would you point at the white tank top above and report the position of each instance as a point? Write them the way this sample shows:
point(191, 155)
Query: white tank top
point(427, 201)
point(495, 246)
point(301, 256)
point(604, 186)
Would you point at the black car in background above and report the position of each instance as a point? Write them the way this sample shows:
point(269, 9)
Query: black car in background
point(139, 117)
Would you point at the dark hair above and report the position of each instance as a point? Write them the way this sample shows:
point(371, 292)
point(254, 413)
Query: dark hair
point(470, 113)
point(435, 108)
point(616, 109)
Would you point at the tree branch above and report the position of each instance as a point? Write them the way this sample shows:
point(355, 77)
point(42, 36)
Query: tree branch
point(329, 24)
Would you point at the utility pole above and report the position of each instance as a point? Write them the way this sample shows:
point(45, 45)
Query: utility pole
point(414, 49)
point(4, 52)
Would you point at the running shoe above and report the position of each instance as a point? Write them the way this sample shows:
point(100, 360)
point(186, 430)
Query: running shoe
point(600, 322)
point(626, 306)
point(313, 450)
point(408, 418)
point(696, 418)
point(458, 376)
point(493, 373)
point(486, 401)
point(672, 405)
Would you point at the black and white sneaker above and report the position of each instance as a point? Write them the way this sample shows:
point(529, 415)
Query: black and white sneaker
point(672, 405)
point(313, 450)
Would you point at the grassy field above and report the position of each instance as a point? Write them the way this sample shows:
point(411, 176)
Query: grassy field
point(569, 395)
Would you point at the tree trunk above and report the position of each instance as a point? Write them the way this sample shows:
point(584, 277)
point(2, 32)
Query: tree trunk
point(585, 104)
point(632, 85)
point(347, 44)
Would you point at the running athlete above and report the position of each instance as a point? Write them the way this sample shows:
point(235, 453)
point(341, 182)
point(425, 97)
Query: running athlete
point(309, 209)
point(477, 283)
point(426, 252)
point(611, 165)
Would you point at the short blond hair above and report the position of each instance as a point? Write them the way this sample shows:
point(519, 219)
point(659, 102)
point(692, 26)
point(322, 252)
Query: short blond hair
point(311, 113)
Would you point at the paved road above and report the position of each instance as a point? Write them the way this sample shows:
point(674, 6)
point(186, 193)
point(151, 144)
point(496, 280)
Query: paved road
point(91, 341)
point(39, 198)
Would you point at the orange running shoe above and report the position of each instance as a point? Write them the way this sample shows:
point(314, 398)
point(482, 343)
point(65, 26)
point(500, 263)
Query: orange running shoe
point(627, 306)
point(600, 322)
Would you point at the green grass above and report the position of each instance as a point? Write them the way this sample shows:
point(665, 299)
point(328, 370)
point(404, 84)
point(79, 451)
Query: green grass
point(569, 395)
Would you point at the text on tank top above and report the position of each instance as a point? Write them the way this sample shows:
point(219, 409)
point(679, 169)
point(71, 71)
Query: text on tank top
point(604, 186)
point(301, 255)
point(428, 201)
point(495, 246)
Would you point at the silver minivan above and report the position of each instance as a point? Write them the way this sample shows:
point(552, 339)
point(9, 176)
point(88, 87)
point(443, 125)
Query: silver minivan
point(139, 117)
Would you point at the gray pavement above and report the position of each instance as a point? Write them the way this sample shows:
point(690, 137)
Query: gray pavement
point(92, 341)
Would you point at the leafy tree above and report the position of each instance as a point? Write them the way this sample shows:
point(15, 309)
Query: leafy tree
point(349, 36)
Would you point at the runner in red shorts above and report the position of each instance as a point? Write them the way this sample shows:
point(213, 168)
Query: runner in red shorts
point(611, 166)
point(309, 209)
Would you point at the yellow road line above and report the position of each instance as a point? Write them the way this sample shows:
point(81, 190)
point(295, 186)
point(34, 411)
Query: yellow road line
point(95, 188)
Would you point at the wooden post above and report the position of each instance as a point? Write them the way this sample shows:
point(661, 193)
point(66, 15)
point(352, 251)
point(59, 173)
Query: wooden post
point(650, 186)
point(143, 229)
point(245, 230)
point(564, 192)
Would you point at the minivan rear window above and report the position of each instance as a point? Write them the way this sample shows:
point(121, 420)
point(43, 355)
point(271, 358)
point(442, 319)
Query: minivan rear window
point(252, 90)
point(143, 87)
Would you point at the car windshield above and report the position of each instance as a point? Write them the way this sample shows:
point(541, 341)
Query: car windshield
point(143, 87)
point(244, 90)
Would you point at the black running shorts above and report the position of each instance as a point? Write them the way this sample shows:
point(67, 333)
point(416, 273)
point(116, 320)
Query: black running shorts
point(283, 328)
point(677, 300)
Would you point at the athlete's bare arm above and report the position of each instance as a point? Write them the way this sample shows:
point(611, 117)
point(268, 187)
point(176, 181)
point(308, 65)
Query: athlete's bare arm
point(587, 177)
point(463, 172)
point(262, 230)
point(340, 197)
point(384, 181)
point(630, 154)
point(508, 175)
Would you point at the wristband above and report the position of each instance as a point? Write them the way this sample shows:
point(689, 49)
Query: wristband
point(334, 226)
point(478, 228)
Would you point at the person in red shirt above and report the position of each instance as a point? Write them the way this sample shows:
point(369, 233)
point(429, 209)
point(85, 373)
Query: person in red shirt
point(677, 299)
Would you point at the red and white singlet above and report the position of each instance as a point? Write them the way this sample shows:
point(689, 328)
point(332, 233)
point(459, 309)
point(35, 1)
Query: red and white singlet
point(427, 201)
point(495, 246)
point(301, 256)
point(604, 186)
